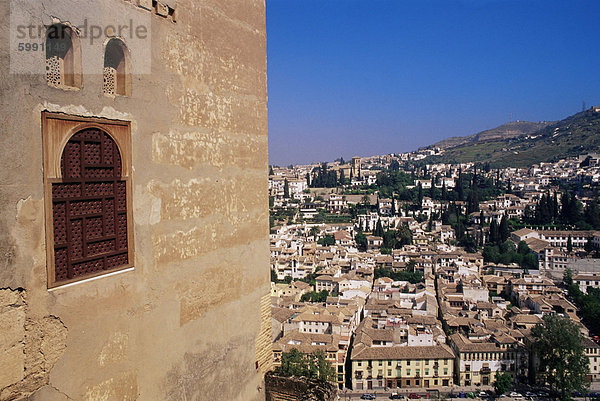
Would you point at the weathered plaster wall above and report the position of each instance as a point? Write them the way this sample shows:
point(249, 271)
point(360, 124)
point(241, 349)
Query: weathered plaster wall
point(185, 323)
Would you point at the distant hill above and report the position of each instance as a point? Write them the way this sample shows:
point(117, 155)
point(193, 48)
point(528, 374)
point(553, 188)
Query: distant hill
point(577, 134)
point(505, 131)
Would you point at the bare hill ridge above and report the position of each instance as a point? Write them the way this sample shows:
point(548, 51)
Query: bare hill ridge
point(504, 131)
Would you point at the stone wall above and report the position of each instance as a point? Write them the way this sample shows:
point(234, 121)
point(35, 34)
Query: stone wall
point(184, 324)
point(298, 389)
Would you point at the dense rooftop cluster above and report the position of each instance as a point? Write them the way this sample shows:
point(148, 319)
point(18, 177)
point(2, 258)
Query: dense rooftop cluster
point(431, 282)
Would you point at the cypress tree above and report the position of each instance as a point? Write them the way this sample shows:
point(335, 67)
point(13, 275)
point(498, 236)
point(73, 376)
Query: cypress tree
point(503, 230)
point(459, 186)
point(378, 229)
point(494, 233)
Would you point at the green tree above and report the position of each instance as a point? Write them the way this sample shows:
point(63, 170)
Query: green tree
point(460, 186)
point(404, 275)
point(271, 170)
point(569, 244)
point(378, 229)
point(592, 214)
point(361, 242)
point(366, 201)
point(563, 363)
point(530, 262)
point(503, 229)
point(404, 235)
point(568, 277)
point(292, 364)
point(325, 370)
point(494, 232)
point(523, 248)
point(503, 382)
point(312, 366)
point(589, 246)
point(327, 240)
point(286, 189)
point(491, 254)
point(342, 177)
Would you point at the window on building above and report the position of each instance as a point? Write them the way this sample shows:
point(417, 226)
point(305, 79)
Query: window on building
point(87, 194)
point(89, 207)
point(117, 76)
point(63, 57)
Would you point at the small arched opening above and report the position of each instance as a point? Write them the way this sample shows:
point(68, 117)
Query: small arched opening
point(63, 57)
point(116, 69)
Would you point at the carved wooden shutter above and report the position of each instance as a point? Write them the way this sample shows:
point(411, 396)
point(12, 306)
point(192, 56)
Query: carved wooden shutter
point(89, 207)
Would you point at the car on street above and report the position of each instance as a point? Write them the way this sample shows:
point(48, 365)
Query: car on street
point(542, 394)
point(483, 394)
point(396, 396)
point(414, 396)
point(368, 396)
point(514, 394)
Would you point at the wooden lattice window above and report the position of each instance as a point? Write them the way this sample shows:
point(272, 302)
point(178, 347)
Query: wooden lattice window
point(63, 57)
point(89, 208)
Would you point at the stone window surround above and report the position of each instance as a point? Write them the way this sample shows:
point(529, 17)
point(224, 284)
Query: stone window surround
point(57, 128)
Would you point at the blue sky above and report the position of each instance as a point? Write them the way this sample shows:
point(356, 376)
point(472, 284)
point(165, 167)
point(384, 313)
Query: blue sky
point(365, 77)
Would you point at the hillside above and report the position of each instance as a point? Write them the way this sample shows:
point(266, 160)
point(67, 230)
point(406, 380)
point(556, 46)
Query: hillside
point(504, 131)
point(572, 136)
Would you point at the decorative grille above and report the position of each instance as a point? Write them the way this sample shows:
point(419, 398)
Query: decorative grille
point(89, 208)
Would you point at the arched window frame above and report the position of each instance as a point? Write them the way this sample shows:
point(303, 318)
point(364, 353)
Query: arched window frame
point(63, 72)
point(121, 86)
point(57, 129)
